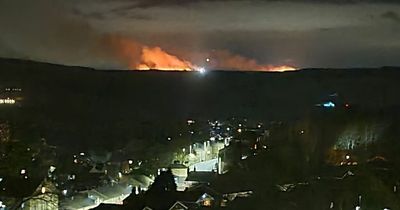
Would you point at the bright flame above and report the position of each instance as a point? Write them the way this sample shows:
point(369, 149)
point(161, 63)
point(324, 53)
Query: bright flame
point(226, 60)
point(277, 68)
point(141, 57)
point(156, 58)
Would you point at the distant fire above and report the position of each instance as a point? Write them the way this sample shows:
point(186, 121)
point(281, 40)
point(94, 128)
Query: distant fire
point(278, 68)
point(226, 60)
point(156, 58)
point(141, 57)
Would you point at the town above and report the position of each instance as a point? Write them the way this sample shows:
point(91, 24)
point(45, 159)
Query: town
point(199, 105)
point(210, 164)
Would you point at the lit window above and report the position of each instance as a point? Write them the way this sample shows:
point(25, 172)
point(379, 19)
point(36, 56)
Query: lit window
point(207, 202)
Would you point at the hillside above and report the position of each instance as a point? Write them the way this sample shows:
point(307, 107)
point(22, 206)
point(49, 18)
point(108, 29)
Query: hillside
point(82, 105)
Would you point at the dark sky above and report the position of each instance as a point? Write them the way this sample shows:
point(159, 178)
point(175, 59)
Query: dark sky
point(314, 33)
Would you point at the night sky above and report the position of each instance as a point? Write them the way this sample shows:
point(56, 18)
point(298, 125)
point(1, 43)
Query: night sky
point(317, 33)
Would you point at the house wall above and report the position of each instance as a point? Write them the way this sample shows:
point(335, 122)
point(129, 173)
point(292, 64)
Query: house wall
point(42, 202)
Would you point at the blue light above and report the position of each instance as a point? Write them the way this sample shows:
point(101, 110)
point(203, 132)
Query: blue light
point(329, 104)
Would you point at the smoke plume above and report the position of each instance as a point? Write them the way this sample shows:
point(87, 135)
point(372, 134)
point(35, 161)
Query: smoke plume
point(47, 30)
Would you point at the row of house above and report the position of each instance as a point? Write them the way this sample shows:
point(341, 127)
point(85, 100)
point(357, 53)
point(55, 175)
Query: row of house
point(199, 197)
point(33, 194)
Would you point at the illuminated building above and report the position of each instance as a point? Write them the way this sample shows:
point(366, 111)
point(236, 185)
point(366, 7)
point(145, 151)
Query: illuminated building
point(44, 198)
point(7, 101)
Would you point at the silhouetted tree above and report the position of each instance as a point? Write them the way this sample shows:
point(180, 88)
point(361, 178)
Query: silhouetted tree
point(163, 183)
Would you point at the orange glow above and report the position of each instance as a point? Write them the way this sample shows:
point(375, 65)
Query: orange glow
point(137, 56)
point(134, 55)
point(277, 68)
point(226, 60)
point(156, 58)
